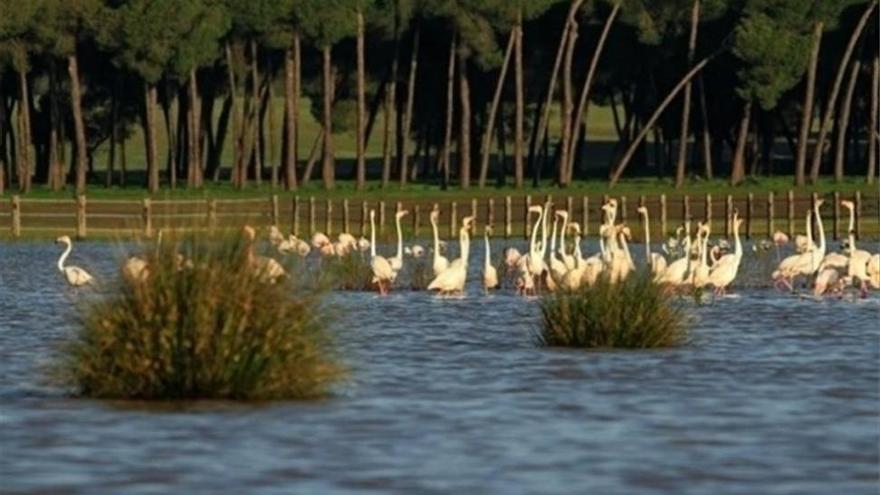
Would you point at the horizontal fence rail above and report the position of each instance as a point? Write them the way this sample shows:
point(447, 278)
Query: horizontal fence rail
point(763, 214)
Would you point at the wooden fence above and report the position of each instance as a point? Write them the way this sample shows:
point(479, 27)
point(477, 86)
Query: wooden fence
point(763, 214)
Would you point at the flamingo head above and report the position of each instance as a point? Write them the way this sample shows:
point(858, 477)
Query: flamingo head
point(435, 214)
point(780, 238)
point(65, 239)
point(400, 214)
point(562, 214)
point(819, 203)
point(849, 205)
point(642, 210)
point(575, 228)
point(249, 232)
point(625, 232)
point(468, 222)
point(536, 209)
point(372, 214)
point(488, 230)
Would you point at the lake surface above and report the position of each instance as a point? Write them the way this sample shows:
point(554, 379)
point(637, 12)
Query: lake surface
point(773, 394)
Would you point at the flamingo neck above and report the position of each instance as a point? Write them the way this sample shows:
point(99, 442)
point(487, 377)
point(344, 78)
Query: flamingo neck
point(436, 239)
point(488, 255)
point(533, 247)
point(373, 236)
point(399, 238)
point(465, 245)
point(821, 232)
point(64, 256)
point(578, 255)
point(562, 236)
point(647, 240)
point(553, 235)
point(737, 244)
point(625, 248)
point(852, 226)
point(544, 233)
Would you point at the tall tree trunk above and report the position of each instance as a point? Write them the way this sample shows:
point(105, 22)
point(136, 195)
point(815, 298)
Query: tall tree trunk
point(24, 134)
point(580, 115)
point(150, 98)
point(634, 145)
point(519, 120)
point(291, 104)
point(78, 124)
point(686, 106)
point(171, 132)
point(269, 94)
point(819, 150)
point(389, 113)
point(738, 168)
point(194, 168)
point(807, 115)
point(114, 134)
point(538, 132)
point(464, 128)
point(493, 111)
point(54, 178)
point(255, 115)
point(705, 135)
point(450, 111)
point(843, 121)
point(237, 124)
point(313, 157)
point(328, 172)
point(873, 136)
point(566, 105)
point(361, 106)
point(408, 110)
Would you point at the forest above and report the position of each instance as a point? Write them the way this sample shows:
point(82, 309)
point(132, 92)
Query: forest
point(458, 93)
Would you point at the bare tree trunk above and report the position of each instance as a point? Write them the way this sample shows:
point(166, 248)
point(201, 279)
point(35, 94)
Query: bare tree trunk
point(255, 115)
point(290, 117)
point(114, 135)
point(566, 105)
point(78, 124)
point(583, 107)
point(738, 168)
point(538, 133)
point(237, 123)
point(194, 165)
point(24, 134)
point(171, 134)
point(464, 128)
point(54, 178)
point(328, 172)
point(843, 121)
point(313, 157)
point(389, 116)
point(706, 137)
point(361, 105)
point(270, 116)
point(493, 111)
point(150, 98)
point(519, 135)
point(872, 119)
point(819, 150)
point(450, 110)
point(634, 145)
point(408, 110)
point(807, 116)
point(686, 107)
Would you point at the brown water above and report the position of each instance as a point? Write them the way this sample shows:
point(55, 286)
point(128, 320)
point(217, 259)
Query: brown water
point(774, 394)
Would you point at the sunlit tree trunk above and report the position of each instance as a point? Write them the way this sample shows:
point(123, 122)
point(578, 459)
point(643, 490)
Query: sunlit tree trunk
point(194, 167)
point(361, 106)
point(389, 113)
point(291, 103)
point(493, 111)
point(843, 121)
point(706, 137)
point(237, 123)
point(464, 128)
point(738, 168)
point(686, 106)
point(408, 110)
point(450, 110)
point(873, 136)
point(328, 172)
point(807, 115)
point(565, 103)
point(25, 166)
point(150, 98)
point(519, 120)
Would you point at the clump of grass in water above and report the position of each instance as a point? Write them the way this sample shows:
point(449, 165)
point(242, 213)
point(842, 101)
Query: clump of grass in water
point(634, 314)
point(201, 324)
point(349, 272)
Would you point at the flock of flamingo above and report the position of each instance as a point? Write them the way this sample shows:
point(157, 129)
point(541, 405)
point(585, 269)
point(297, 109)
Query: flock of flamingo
point(550, 264)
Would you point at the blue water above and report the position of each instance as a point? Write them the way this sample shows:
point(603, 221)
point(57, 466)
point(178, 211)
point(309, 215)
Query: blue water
point(773, 394)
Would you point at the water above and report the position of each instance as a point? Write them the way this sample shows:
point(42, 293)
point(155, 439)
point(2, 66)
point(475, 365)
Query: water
point(774, 394)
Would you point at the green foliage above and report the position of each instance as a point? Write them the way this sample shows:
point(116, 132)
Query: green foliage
point(349, 272)
point(327, 22)
point(634, 314)
point(199, 327)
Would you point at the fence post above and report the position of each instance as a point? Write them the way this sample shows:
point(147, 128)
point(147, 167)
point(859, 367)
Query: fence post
point(275, 212)
point(686, 207)
point(474, 209)
point(212, 214)
point(81, 216)
point(294, 213)
point(345, 219)
point(508, 217)
point(663, 216)
point(416, 220)
point(311, 217)
point(16, 216)
point(490, 214)
point(836, 219)
point(381, 217)
point(623, 208)
point(728, 207)
point(585, 215)
point(328, 217)
point(771, 204)
point(147, 216)
point(750, 212)
point(569, 206)
point(526, 216)
point(791, 214)
point(858, 212)
point(708, 213)
point(813, 198)
point(453, 218)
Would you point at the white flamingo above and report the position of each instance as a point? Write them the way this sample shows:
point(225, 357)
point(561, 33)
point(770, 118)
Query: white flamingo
point(566, 258)
point(857, 266)
point(806, 263)
point(490, 274)
point(383, 274)
point(440, 263)
point(397, 260)
point(452, 280)
point(319, 239)
point(677, 271)
point(700, 272)
point(656, 261)
point(724, 270)
point(74, 275)
point(268, 270)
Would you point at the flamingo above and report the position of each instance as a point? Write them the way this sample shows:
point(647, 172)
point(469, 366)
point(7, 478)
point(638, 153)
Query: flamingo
point(74, 275)
point(268, 270)
point(873, 271)
point(397, 260)
point(557, 266)
point(806, 263)
point(511, 257)
point(655, 260)
point(828, 281)
point(275, 236)
point(490, 274)
point(700, 273)
point(135, 269)
point(566, 258)
point(724, 270)
point(440, 263)
point(678, 270)
point(452, 280)
point(621, 260)
point(319, 239)
point(383, 274)
point(857, 268)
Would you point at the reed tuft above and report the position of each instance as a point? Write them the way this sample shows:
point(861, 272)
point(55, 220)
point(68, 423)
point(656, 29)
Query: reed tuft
point(201, 322)
point(634, 314)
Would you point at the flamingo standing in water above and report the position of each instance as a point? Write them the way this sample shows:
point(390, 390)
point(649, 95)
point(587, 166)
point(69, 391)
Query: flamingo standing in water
point(397, 260)
point(452, 280)
point(440, 263)
point(74, 275)
point(857, 266)
point(655, 260)
point(490, 274)
point(268, 270)
point(724, 271)
point(383, 274)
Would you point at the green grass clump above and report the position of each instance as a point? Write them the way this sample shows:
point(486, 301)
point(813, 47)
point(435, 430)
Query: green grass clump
point(634, 314)
point(349, 272)
point(201, 324)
